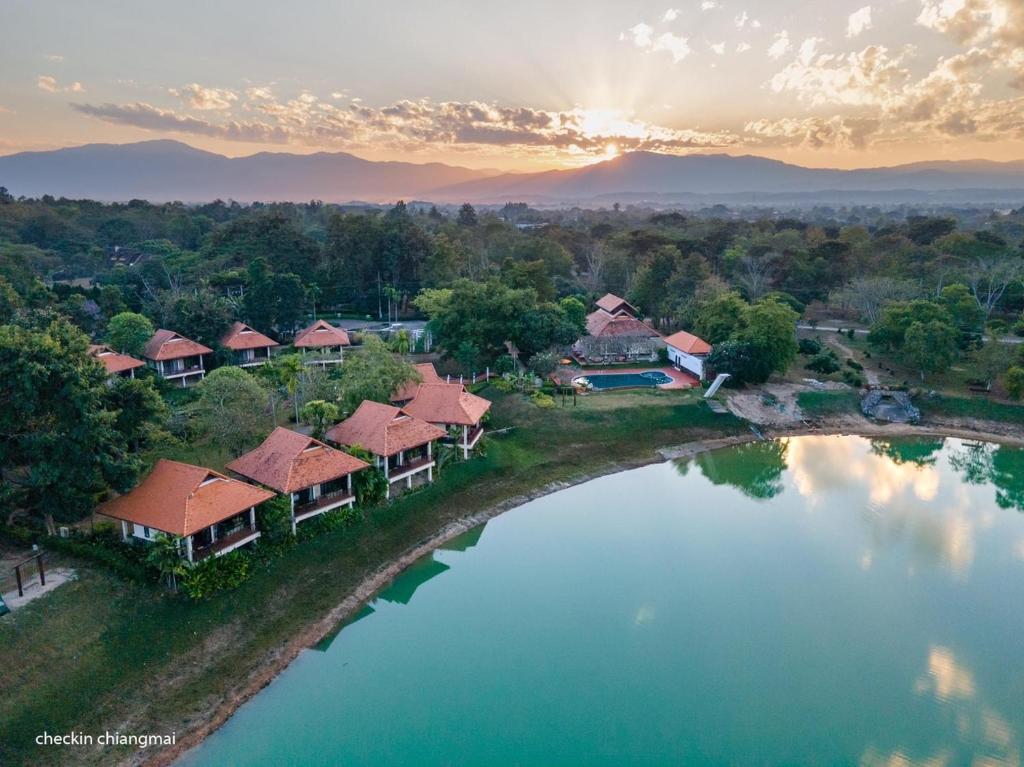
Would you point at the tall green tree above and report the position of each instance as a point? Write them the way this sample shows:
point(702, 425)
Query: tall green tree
point(231, 409)
point(60, 447)
point(930, 346)
point(372, 373)
point(128, 333)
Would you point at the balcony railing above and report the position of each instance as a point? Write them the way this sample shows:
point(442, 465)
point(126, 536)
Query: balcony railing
point(398, 472)
point(224, 542)
point(331, 499)
point(184, 371)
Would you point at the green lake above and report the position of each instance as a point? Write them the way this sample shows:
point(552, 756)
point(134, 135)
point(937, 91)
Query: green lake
point(813, 601)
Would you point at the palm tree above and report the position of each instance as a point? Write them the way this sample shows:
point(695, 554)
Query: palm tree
point(165, 556)
point(402, 342)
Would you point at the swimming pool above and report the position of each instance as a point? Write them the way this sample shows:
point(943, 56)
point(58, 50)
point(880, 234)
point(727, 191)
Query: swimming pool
point(601, 381)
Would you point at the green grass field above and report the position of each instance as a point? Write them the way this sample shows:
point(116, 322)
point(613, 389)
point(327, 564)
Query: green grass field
point(102, 654)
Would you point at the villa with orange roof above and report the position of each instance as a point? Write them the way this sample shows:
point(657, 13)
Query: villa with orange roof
point(321, 343)
point(405, 393)
point(450, 406)
point(115, 363)
point(317, 478)
point(209, 512)
point(176, 358)
point(688, 352)
point(401, 444)
point(249, 347)
point(615, 333)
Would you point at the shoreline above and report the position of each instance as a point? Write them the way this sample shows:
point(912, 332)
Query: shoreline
point(380, 578)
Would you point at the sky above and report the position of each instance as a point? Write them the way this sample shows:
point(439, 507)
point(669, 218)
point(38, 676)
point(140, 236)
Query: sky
point(522, 85)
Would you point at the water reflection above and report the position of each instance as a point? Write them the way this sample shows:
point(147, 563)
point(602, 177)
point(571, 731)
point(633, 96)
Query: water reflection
point(980, 463)
point(900, 450)
point(755, 469)
point(418, 573)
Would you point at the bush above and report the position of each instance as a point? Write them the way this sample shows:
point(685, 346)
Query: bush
point(122, 559)
point(503, 385)
point(852, 363)
point(1013, 380)
point(216, 574)
point(275, 520)
point(823, 363)
point(810, 346)
point(541, 400)
point(543, 363)
point(852, 377)
point(370, 485)
point(331, 520)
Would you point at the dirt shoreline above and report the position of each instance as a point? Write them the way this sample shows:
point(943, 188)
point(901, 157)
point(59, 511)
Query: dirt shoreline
point(382, 577)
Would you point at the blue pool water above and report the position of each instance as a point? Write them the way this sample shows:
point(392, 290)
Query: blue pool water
point(648, 378)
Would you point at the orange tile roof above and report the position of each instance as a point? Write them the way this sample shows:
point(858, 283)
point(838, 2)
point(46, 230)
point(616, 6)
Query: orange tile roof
point(612, 304)
point(384, 430)
point(288, 462)
point(689, 343)
point(114, 362)
point(181, 499)
point(241, 336)
point(168, 345)
point(321, 334)
point(408, 390)
point(449, 404)
point(603, 325)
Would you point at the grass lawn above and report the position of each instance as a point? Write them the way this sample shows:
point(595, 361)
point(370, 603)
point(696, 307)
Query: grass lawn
point(102, 654)
point(822, 404)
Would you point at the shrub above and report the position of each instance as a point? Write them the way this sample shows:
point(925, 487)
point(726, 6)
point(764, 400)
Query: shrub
point(1013, 380)
point(852, 363)
point(852, 377)
point(809, 346)
point(543, 363)
point(370, 485)
point(850, 333)
point(216, 574)
point(824, 363)
point(541, 400)
point(275, 520)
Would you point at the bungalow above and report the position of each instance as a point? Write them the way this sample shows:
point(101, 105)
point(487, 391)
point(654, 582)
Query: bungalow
point(115, 363)
point(616, 333)
point(450, 405)
point(316, 478)
point(175, 357)
point(211, 513)
point(322, 342)
point(407, 391)
point(688, 352)
point(248, 346)
point(402, 445)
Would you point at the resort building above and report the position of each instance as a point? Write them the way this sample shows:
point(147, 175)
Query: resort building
point(175, 357)
point(321, 343)
point(248, 346)
point(688, 352)
point(316, 477)
point(115, 363)
point(615, 333)
point(402, 445)
point(209, 512)
point(406, 392)
point(451, 407)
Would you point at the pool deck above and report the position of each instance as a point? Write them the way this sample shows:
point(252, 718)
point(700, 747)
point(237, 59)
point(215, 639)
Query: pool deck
point(680, 380)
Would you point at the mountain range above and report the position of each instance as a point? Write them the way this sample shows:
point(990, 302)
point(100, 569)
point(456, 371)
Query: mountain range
point(170, 170)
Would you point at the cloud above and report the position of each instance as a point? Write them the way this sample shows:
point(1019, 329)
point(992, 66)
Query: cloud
point(641, 34)
point(813, 132)
point(993, 26)
point(416, 125)
point(54, 57)
point(860, 78)
point(198, 97)
point(708, 5)
point(743, 20)
point(678, 47)
point(859, 21)
point(50, 85)
point(717, 48)
point(781, 46)
point(671, 14)
point(742, 47)
point(152, 118)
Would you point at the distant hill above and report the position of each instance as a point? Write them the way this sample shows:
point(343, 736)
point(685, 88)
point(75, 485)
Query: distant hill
point(646, 175)
point(169, 170)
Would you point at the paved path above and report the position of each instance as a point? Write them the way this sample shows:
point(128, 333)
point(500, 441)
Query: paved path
point(33, 590)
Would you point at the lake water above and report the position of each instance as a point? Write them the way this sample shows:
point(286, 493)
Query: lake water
point(819, 600)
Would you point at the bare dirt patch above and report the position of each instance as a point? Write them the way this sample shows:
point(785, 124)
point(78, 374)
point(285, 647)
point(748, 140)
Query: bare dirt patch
point(774, 404)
